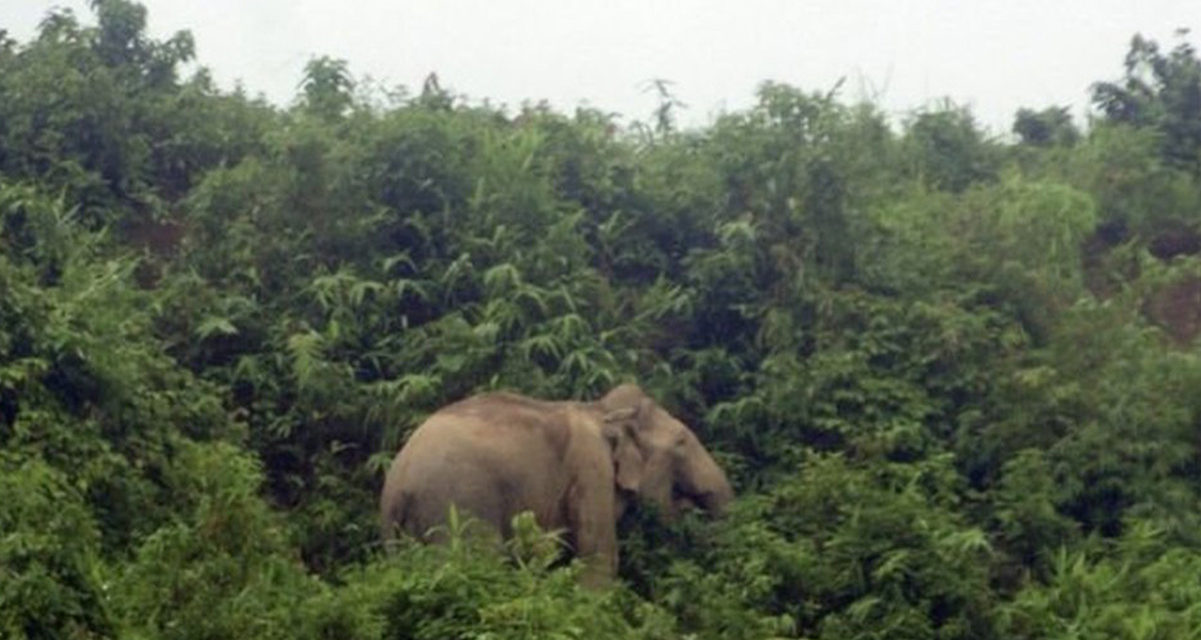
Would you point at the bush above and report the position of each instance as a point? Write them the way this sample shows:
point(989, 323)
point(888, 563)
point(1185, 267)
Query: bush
point(51, 577)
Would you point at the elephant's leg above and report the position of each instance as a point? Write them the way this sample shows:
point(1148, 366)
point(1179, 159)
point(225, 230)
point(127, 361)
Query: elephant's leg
point(592, 521)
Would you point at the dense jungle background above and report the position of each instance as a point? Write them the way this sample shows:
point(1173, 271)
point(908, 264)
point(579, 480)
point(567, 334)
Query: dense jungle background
point(954, 378)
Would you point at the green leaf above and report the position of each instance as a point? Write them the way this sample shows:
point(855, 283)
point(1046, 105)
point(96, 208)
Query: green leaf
point(213, 325)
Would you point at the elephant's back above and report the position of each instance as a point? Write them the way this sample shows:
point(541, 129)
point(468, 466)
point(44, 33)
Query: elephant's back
point(501, 417)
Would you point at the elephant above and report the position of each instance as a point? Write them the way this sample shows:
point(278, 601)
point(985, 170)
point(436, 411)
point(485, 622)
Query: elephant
point(575, 465)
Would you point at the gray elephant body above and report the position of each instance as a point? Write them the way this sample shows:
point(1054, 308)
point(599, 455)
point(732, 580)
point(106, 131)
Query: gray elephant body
point(572, 464)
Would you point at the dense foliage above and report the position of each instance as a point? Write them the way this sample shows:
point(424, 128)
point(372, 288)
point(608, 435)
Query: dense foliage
point(954, 379)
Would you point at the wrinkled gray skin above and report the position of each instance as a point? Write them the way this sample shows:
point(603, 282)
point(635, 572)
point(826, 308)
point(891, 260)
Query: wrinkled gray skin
point(575, 465)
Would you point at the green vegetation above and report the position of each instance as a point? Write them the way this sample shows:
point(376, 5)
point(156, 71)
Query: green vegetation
point(954, 380)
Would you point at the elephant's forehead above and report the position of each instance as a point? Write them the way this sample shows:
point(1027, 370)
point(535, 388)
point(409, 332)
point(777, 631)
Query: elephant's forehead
point(666, 426)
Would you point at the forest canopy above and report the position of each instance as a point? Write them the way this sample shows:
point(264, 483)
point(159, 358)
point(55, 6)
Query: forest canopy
point(953, 377)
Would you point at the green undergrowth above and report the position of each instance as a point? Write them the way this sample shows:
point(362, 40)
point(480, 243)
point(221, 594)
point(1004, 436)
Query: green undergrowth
point(952, 377)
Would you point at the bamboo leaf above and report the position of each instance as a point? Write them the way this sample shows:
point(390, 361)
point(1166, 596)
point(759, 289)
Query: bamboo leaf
point(213, 325)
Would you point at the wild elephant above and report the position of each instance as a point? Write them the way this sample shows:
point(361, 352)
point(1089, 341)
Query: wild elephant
point(573, 464)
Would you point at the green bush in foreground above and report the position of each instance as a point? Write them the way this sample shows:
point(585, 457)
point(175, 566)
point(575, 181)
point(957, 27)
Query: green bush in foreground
point(470, 589)
point(51, 578)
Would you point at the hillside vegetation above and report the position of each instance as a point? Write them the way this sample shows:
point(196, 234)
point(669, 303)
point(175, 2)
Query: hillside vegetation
point(955, 380)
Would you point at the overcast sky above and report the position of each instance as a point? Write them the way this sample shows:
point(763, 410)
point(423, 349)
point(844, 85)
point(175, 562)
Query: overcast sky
point(994, 55)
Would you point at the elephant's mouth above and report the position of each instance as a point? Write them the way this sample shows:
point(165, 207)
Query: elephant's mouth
point(681, 501)
point(711, 502)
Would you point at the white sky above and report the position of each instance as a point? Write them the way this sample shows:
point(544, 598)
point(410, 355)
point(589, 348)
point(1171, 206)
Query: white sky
point(994, 55)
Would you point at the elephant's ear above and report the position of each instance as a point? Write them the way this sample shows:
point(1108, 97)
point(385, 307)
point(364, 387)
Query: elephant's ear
point(627, 459)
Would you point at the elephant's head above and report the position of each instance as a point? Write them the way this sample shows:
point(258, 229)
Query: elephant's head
point(658, 458)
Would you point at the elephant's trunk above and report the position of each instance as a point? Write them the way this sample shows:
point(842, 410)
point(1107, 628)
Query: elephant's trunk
point(717, 501)
point(706, 484)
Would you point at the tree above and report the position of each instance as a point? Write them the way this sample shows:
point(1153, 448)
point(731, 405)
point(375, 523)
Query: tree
point(327, 87)
point(947, 149)
point(1049, 127)
point(1161, 91)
